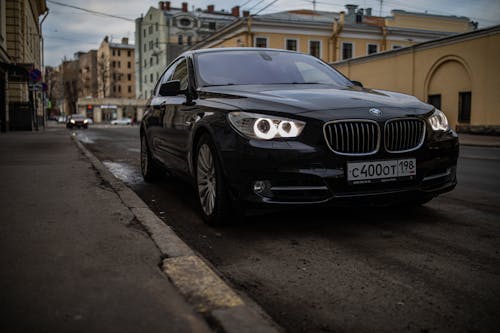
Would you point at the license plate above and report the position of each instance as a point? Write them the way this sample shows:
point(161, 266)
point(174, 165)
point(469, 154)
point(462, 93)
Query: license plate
point(381, 171)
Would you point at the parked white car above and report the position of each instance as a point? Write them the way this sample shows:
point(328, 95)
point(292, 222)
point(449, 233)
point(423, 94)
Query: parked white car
point(123, 121)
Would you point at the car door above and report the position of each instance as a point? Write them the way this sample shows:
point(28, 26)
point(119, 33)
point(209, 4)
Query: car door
point(158, 106)
point(178, 120)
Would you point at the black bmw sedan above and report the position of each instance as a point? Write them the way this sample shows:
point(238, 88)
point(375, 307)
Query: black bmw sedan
point(261, 127)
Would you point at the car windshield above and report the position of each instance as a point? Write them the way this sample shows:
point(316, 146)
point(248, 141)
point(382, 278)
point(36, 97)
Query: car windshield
point(77, 117)
point(264, 67)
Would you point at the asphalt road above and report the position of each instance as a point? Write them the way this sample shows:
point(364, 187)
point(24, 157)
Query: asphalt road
point(427, 269)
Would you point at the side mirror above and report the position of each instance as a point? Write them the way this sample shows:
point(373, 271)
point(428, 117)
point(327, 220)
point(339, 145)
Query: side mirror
point(357, 83)
point(170, 88)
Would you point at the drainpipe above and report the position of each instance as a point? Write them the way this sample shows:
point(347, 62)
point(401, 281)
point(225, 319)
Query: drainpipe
point(43, 68)
point(338, 25)
point(249, 33)
point(384, 38)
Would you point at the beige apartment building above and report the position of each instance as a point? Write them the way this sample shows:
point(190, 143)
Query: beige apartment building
point(115, 69)
point(336, 36)
point(459, 75)
point(21, 103)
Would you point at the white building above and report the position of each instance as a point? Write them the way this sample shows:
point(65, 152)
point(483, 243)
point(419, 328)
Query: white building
point(165, 32)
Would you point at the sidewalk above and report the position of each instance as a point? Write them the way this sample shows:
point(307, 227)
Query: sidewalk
point(479, 140)
point(73, 257)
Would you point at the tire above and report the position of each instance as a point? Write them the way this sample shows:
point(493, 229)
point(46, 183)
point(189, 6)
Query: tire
point(215, 205)
point(149, 169)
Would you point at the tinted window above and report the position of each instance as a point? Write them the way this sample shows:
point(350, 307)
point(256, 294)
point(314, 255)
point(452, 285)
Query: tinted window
point(181, 74)
point(264, 67)
point(166, 75)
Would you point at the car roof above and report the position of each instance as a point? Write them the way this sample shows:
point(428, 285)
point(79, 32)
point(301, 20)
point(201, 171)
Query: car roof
point(232, 49)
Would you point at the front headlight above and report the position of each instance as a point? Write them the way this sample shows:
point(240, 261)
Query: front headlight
point(259, 126)
point(85, 121)
point(72, 121)
point(438, 121)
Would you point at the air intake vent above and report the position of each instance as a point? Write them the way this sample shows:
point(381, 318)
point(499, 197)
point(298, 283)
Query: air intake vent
point(402, 135)
point(352, 137)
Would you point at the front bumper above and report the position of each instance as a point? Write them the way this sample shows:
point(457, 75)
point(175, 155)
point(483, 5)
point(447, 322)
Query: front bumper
point(293, 172)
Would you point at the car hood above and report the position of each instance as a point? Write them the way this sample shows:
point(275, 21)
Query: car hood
point(306, 98)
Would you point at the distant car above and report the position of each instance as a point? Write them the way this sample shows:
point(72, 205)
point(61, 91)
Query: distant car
point(78, 121)
point(89, 121)
point(123, 121)
point(61, 119)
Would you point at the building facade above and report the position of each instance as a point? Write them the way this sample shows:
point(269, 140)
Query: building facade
point(21, 102)
point(459, 75)
point(115, 69)
point(165, 32)
point(87, 72)
point(336, 36)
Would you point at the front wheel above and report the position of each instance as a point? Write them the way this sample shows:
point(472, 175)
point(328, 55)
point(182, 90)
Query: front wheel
point(212, 195)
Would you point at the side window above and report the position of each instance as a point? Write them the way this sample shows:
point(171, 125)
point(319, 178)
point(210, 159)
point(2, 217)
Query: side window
point(166, 76)
point(181, 74)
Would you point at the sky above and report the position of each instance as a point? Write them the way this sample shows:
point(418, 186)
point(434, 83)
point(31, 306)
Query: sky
point(68, 30)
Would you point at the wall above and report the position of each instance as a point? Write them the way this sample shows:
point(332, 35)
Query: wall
point(467, 62)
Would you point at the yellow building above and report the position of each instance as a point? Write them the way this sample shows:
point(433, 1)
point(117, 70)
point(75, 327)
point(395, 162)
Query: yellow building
point(116, 69)
point(336, 36)
point(458, 74)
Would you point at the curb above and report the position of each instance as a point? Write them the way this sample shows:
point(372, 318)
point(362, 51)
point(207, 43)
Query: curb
point(200, 285)
point(483, 145)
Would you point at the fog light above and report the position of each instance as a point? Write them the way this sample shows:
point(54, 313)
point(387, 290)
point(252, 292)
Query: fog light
point(259, 186)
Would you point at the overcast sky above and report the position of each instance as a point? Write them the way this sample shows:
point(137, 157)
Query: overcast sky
point(67, 30)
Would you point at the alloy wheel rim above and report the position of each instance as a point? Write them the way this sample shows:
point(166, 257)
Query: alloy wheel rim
point(206, 179)
point(144, 156)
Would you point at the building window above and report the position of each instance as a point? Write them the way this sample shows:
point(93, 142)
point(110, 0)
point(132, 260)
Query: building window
point(145, 79)
point(119, 64)
point(157, 60)
point(129, 53)
point(150, 44)
point(150, 29)
point(185, 22)
point(129, 89)
point(434, 100)
point(189, 40)
point(395, 47)
point(260, 42)
point(151, 77)
point(129, 64)
point(156, 25)
point(151, 61)
point(315, 48)
point(347, 50)
point(372, 48)
point(129, 77)
point(145, 63)
point(119, 53)
point(119, 88)
point(145, 47)
point(156, 42)
point(114, 88)
point(464, 107)
point(211, 25)
point(144, 34)
point(113, 64)
point(113, 53)
point(180, 41)
point(291, 44)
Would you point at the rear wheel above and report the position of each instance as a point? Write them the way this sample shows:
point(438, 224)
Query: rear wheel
point(150, 171)
point(210, 184)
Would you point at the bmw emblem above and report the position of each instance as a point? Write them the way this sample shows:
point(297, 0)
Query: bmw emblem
point(375, 112)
